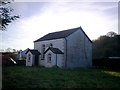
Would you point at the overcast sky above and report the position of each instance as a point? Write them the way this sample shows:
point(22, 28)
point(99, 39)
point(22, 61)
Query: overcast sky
point(39, 18)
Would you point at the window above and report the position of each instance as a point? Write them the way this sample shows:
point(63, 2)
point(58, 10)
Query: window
point(29, 57)
point(43, 47)
point(49, 58)
point(51, 45)
point(42, 52)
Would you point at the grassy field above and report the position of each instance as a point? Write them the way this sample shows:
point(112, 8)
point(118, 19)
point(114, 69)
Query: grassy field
point(37, 77)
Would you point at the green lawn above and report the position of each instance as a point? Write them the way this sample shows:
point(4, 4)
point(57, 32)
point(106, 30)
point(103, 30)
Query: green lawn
point(37, 77)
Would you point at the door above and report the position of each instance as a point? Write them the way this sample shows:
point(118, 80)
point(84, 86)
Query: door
point(36, 60)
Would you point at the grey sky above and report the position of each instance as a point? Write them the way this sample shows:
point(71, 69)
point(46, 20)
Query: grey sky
point(40, 18)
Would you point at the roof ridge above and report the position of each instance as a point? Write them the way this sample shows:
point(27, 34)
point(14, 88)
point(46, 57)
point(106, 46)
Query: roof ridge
point(57, 34)
point(65, 30)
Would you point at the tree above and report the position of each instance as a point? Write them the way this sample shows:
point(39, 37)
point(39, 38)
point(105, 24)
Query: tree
point(8, 50)
point(5, 14)
point(14, 50)
point(106, 46)
point(111, 34)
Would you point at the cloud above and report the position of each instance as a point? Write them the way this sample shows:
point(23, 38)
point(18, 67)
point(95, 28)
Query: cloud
point(66, 0)
point(28, 9)
point(54, 16)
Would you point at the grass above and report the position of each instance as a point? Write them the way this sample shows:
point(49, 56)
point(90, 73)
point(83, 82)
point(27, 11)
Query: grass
point(37, 77)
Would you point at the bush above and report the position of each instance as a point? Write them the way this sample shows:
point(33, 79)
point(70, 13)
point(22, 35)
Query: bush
point(21, 62)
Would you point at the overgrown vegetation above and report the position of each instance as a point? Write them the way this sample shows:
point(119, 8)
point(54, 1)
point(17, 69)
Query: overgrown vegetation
point(106, 46)
point(106, 51)
point(37, 77)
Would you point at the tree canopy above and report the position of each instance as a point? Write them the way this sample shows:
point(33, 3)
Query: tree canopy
point(106, 46)
point(111, 34)
point(5, 14)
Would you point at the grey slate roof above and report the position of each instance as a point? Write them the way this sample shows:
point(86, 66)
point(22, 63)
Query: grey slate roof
point(34, 52)
point(54, 50)
point(60, 34)
point(57, 35)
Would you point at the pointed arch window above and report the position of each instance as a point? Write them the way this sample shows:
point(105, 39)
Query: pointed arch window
point(43, 50)
point(49, 58)
point(29, 57)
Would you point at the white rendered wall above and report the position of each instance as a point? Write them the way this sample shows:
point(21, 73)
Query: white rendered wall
point(31, 59)
point(54, 59)
point(57, 43)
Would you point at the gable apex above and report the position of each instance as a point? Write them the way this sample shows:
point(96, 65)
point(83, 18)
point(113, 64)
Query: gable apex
point(33, 51)
point(85, 34)
point(54, 50)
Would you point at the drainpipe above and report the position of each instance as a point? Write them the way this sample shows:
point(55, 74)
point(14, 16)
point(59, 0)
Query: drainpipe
point(66, 53)
point(56, 59)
